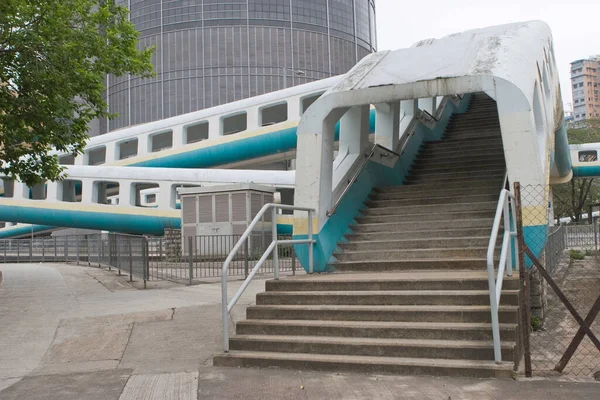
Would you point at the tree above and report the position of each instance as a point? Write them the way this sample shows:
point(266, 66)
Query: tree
point(54, 58)
point(581, 194)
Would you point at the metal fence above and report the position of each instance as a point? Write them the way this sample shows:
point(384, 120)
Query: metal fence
point(568, 290)
point(151, 258)
point(201, 257)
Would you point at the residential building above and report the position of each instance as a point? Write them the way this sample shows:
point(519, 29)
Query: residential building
point(585, 79)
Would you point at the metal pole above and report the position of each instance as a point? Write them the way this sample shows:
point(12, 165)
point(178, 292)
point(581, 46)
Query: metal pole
point(311, 244)
point(43, 250)
point(276, 249)
point(293, 253)
point(524, 285)
point(66, 249)
point(190, 260)
point(130, 261)
point(55, 250)
point(18, 251)
point(30, 250)
point(77, 245)
point(144, 261)
point(246, 256)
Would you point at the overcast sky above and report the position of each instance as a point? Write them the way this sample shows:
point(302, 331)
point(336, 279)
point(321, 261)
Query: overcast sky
point(575, 25)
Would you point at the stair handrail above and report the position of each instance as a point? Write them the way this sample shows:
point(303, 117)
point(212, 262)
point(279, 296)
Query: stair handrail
point(226, 306)
point(357, 173)
point(506, 212)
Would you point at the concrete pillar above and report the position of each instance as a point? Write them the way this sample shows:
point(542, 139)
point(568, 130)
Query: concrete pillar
point(408, 109)
point(354, 130)
point(387, 124)
point(166, 196)
point(427, 104)
point(178, 136)
point(52, 191)
point(89, 191)
point(314, 171)
point(126, 194)
point(21, 191)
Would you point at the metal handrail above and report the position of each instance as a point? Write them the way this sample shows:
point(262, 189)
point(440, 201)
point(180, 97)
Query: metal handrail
point(504, 211)
point(429, 114)
point(356, 174)
point(226, 306)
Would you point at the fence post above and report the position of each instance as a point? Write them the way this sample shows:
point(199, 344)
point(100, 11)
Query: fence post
point(5, 250)
point(293, 253)
point(523, 284)
point(30, 250)
point(18, 252)
point(77, 248)
point(190, 255)
point(66, 249)
point(310, 245)
point(55, 250)
point(276, 249)
point(130, 261)
point(145, 263)
point(43, 250)
point(246, 256)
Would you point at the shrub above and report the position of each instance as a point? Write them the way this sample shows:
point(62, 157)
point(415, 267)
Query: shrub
point(576, 255)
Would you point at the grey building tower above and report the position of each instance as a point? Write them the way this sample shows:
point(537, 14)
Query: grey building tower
point(211, 52)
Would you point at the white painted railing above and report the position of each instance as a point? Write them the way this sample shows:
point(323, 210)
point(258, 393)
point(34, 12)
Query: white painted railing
point(504, 212)
point(226, 306)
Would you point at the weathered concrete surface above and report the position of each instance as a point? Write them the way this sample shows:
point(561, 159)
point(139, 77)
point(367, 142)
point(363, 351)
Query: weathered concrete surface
point(180, 386)
point(249, 384)
point(100, 385)
point(58, 318)
point(158, 344)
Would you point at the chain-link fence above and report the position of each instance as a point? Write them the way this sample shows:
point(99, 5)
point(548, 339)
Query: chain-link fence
point(150, 258)
point(567, 283)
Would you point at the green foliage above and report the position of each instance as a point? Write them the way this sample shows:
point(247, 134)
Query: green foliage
point(576, 254)
point(578, 196)
point(536, 324)
point(54, 58)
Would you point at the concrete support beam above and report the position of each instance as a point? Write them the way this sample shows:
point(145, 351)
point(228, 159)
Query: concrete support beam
point(387, 125)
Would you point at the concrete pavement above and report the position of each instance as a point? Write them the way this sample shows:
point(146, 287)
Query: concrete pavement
point(73, 332)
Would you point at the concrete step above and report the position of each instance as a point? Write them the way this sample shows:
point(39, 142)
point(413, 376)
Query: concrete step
point(475, 141)
point(376, 329)
point(399, 207)
point(487, 173)
point(447, 264)
point(492, 176)
point(424, 313)
point(415, 235)
point(457, 164)
point(413, 254)
point(414, 348)
point(424, 226)
point(364, 364)
point(385, 297)
point(407, 280)
point(398, 200)
point(400, 193)
point(492, 117)
point(444, 213)
point(459, 126)
point(421, 190)
point(405, 244)
point(460, 149)
point(469, 135)
point(430, 168)
point(456, 156)
point(456, 184)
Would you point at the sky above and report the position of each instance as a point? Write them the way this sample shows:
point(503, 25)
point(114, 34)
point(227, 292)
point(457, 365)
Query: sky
point(575, 25)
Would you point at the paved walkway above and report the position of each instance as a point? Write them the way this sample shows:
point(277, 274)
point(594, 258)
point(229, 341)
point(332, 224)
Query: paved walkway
point(69, 332)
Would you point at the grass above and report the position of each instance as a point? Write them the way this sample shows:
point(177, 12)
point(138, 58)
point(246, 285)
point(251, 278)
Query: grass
point(576, 255)
point(536, 324)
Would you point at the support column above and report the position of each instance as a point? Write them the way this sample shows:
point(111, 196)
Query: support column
point(387, 126)
point(354, 130)
point(408, 108)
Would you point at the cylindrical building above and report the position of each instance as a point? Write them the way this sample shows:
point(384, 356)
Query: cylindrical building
point(211, 52)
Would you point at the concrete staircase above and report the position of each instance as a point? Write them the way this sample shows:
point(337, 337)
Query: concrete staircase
point(410, 295)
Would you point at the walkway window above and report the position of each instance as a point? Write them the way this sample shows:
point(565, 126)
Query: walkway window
point(234, 124)
point(161, 141)
point(66, 160)
point(70, 191)
point(588, 156)
point(97, 156)
point(196, 133)
point(307, 101)
point(275, 114)
point(105, 192)
point(128, 149)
